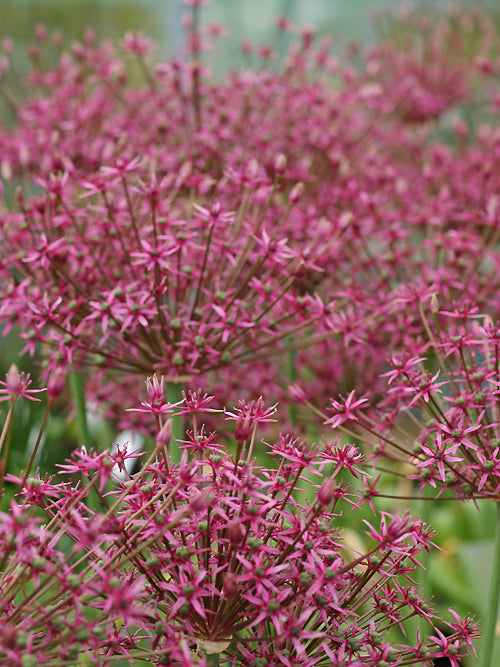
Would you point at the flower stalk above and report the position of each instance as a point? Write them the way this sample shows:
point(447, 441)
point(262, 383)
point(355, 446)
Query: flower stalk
point(490, 632)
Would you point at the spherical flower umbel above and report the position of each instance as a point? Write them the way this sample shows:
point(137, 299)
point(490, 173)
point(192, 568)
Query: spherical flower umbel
point(452, 444)
point(214, 557)
point(183, 227)
point(145, 284)
point(212, 210)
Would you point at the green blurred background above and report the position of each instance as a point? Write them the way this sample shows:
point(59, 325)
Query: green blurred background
point(161, 19)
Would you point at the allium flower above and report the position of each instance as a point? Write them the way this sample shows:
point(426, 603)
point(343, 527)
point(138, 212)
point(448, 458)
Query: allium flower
point(345, 409)
point(146, 285)
point(214, 557)
point(185, 224)
point(420, 80)
point(443, 423)
point(16, 384)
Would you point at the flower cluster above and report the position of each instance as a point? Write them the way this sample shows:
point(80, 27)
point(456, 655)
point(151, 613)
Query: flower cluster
point(213, 561)
point(421, 79)
point(440, 411)
point(185, 224)
point(135, 275)
point(271, 233)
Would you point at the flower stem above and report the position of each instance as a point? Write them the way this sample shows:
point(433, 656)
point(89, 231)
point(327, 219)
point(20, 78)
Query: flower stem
point(5, 438)
point(492, 613)
point(423, 508)
point(427, 505)
point(173, 393)
point(78, 392)
point(292, 377)
point(37, 444)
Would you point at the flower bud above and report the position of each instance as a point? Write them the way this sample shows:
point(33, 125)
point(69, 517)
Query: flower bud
point(280, 164)
point(326, 491)
point(41, 32)
point(215, 210)
point(55, 384)
point(165, 434)
point(202, 500)
point(252, 169)
point(296, 193)
point(6, 170)
point(297, 393)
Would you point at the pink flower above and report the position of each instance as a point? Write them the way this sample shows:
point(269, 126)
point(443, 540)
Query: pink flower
point(345, 409)
point(209, 556)
point(440, 456)
point(16, 385)
point(137, 44)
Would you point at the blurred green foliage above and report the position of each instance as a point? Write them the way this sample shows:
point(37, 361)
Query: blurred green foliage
point(109, 19)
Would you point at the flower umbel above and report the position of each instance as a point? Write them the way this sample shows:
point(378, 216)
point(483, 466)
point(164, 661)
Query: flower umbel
point(215, 556)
